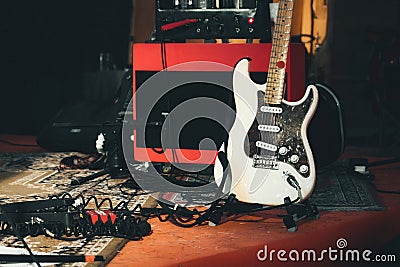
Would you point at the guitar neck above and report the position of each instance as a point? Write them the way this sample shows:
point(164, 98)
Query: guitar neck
point(280, 43)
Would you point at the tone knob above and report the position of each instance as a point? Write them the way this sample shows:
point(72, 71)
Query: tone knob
point(283, 150)
point(303, 169)
point(294, 158)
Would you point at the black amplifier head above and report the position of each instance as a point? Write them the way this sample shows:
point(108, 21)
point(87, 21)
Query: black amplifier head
point(178, 20)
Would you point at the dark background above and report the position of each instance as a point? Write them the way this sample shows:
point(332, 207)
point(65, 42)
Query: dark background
point(359, 60)
point(45, 48)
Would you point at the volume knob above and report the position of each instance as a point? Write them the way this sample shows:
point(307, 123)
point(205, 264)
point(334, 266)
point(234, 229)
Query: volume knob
point(283, 150)
point(294, 158)
point(303, 169)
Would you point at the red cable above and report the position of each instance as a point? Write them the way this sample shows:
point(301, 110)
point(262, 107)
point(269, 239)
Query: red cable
point(174, 25)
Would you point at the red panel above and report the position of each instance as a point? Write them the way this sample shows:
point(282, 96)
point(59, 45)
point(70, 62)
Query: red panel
point(147, 57)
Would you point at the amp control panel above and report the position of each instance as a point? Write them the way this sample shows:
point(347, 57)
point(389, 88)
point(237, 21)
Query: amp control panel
point(178, 20)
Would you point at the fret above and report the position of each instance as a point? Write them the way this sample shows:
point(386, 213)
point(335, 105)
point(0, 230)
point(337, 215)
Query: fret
point(284, 45)
point(286, 22)
point(284, 17)
point(274, 70)
point(281, 57)
point(274, 84)
point(273, 95)
point(283, 39)
point(281, 52)
point(280, 37)
point(290, 8)
point(273, 57)
point(272, 90)
point(282, 25)
point(278, 72)
point(281, 32)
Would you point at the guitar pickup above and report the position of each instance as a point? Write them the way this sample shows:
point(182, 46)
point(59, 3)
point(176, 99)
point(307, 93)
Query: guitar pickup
point(269, 128)
point(269, 109)
point(266, 146)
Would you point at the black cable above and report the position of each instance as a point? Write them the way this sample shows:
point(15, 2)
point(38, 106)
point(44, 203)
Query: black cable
point(198, 181)
point(48, 233)
point(187, 218)
point(312, 25)
point(368, 177)
point(163, 53)
point(383, 191)
point(158, 151)
point(263, 208)
point(81, 180)
point(178, 215)
point(383, 162)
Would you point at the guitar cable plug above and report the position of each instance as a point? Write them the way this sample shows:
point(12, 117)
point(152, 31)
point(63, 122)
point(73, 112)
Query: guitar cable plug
point(291, 180)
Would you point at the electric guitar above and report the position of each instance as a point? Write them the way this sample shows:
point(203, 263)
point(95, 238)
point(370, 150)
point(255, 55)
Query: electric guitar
point(268, 152)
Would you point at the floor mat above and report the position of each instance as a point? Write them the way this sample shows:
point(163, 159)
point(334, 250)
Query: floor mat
point(340, 190)
point(34, 176)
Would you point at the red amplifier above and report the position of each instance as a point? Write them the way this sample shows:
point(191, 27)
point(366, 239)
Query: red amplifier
point(152, 104)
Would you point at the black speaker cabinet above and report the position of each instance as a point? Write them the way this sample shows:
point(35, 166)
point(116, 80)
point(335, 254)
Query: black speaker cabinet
point(75, 126)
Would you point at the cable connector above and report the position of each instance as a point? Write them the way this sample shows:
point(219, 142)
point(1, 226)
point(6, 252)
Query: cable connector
point(359, 165)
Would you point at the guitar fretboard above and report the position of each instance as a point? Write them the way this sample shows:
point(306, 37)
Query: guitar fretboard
point(280, 43)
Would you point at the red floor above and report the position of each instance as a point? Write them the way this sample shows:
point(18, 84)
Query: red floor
point(244, 240)
point(237, 242)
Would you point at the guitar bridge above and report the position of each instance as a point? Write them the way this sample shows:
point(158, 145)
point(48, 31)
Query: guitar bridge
point(265, 162)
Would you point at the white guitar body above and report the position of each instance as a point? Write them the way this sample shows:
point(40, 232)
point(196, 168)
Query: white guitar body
point(288, 170)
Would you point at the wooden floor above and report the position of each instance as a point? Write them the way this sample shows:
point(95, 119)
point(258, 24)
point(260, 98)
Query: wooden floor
point(246, 240)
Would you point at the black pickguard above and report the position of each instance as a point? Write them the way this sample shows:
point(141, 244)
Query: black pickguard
point(290, 122)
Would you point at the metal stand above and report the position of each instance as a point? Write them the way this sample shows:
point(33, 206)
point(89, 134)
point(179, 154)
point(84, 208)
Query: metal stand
point(297, 212)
